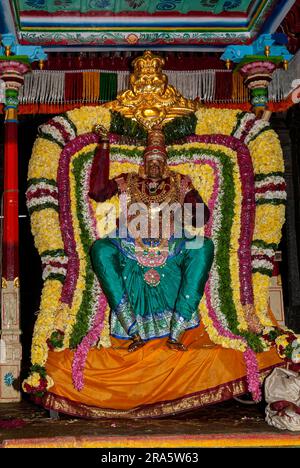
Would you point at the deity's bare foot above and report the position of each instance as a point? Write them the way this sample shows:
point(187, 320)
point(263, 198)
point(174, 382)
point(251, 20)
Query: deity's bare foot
point(137, 343)
point(176, 345)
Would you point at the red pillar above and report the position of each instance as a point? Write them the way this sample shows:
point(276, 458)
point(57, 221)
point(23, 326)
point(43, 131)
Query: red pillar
point(12, 73)
point(10, 239)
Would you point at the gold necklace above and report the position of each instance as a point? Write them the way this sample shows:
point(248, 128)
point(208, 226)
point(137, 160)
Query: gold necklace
point(153, 186)
point(138, 195)
point(163, 244)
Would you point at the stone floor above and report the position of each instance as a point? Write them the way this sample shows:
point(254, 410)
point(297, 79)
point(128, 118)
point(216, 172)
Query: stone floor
point(223, 418)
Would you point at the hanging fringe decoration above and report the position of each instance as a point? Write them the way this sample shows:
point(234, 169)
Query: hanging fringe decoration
point(239, 91)
point(71, 86)
point(48, 91)
point(281, 84)
point(2, 91)
point(224, 87)
point(108, 86)
point(43, 86)
point(123, 81)
point(194, 84)
point(91, 86)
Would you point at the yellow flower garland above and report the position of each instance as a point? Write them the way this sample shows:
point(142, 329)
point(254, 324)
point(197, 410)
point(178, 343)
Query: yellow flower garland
point(267, 157)
point(261, 284)
point(266, 154)
point(213, 121)
point(213, 334)
point(46, 230)
point(203, 182)
point(47, 236)
point(267, 220)
point(86, 117)
point(44, 325)
point(44, 159)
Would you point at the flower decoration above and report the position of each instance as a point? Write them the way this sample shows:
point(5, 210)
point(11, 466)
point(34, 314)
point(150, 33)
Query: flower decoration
point(38, 382)
point(8, 379)
point(234, 160)
point(286, 341)
point(56, 340)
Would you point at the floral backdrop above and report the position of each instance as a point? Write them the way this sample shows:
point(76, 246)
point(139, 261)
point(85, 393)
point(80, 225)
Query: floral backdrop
point(235, 161)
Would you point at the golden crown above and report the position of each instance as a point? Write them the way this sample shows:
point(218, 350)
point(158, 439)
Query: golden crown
point(148, 64)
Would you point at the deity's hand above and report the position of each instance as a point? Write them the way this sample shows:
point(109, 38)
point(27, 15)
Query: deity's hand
point(101, 131)
point(137, 343)
point(176, 345)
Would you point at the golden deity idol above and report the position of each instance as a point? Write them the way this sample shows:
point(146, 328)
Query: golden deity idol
point(150, 100)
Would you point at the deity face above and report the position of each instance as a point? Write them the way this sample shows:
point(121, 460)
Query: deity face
point(155, 169)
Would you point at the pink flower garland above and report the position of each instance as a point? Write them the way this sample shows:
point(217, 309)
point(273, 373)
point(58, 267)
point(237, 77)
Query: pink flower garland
point(248, 207)
point(249, 355)
point(65, 215)
point(82, 351)
point(247, 215)
point(94, 333)
point(252, 374)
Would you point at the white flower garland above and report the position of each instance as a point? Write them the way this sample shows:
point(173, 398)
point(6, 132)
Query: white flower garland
point(42, 200)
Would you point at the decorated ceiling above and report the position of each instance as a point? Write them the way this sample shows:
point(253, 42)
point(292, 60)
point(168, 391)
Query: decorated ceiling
point(88, 24)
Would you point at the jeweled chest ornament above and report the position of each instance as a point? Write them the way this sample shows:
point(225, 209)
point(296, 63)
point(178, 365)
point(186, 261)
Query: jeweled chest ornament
point(153, 186)
point(152, 256)
point(152, 277)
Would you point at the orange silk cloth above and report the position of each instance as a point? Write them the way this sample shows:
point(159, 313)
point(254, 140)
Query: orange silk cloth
point(117, 379)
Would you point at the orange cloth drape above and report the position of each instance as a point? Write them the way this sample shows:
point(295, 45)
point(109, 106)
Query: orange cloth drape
point(120, 380)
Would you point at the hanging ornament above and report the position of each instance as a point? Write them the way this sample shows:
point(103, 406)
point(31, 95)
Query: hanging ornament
point(152, 277)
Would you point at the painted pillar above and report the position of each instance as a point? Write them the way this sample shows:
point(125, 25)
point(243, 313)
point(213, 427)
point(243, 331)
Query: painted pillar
point(256, 63)
point(257, 77)
point(12, 73)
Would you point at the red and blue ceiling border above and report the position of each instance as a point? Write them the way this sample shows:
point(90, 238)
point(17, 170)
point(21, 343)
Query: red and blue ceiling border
point(170, 30)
